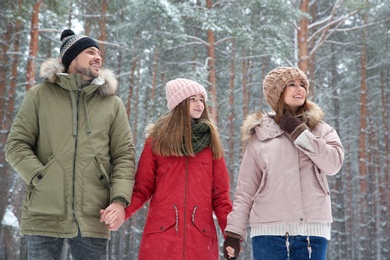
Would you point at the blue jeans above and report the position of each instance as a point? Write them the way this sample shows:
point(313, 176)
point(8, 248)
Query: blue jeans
point(275, 248)
point(47, 248)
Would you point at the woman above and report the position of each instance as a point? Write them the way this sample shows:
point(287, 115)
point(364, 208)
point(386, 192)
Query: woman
point(282, 190)
point(183, 173)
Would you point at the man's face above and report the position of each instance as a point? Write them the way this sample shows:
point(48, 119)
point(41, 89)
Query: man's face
point(87, 63)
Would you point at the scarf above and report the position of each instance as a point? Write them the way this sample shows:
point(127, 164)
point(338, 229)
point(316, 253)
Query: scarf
point(200, 136)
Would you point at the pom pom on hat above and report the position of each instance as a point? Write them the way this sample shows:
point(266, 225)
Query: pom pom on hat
point(277, 79)
point(72, 45)
point(180, 89)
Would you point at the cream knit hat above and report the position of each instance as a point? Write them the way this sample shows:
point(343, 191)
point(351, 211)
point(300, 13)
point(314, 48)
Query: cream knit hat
point(179, 89)
point(276, 80)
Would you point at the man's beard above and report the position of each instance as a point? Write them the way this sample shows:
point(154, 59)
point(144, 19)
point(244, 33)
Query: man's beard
point(87, 72)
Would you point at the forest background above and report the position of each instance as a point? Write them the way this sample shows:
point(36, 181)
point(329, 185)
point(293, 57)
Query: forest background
point(229, 47)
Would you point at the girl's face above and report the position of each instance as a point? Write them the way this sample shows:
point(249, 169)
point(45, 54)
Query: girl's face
point(196, 106)
point(294, 95)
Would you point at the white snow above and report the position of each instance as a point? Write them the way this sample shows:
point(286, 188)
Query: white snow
point(10, 219)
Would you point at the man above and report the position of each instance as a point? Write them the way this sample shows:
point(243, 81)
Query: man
point(71, 143)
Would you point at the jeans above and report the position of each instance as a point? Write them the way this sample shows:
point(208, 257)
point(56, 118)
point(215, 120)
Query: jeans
point(275, 248)
point(47, 248)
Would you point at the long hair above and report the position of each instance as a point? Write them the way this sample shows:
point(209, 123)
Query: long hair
point(173, 133)
point(310, 112)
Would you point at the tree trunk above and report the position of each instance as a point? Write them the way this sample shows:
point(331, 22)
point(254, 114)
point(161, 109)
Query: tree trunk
point(4, 47)
point(338, 241)
point(6, 243)
point(244, 71)
point(384, 191)
point(154, 81)
point(9, 235)
point(231, 117)
point(364, 240)
point(303, 34)
point(103, 28)
point(136, 102)
point(245, 93)
point(34, 38)
point(213, 109)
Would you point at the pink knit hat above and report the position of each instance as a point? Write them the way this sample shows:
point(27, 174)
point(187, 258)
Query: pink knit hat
point(276, 80)
point(179, 89)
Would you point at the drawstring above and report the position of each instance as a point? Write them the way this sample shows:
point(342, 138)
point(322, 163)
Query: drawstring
point(287, 245)
point(74, 113)
point(308, 241)
point(176, 218)
point(309, 249)
point(309, 246)
point(87, 115)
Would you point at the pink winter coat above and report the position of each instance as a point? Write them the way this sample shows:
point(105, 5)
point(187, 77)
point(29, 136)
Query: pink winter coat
point(281, 182)
point(184, 192)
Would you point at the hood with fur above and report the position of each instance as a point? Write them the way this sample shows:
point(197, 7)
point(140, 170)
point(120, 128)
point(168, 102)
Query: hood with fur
point(52, 68)
point(148, 130)
point(312, 117)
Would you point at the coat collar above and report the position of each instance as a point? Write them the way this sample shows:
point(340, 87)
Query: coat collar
point(263, 126)
point(53, 71)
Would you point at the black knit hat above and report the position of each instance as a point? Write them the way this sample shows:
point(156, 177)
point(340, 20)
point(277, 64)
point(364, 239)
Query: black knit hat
point(72, 45)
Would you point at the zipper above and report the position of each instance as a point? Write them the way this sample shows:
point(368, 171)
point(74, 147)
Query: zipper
point(185, 210)
point(75, 155)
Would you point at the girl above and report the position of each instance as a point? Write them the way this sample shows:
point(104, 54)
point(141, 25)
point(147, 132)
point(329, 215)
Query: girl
point(183, 173)
point(282, 190)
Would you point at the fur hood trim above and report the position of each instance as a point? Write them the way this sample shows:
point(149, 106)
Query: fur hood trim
point(313, 117)
point(148, 129)
point(52, 68)
point(247, 128)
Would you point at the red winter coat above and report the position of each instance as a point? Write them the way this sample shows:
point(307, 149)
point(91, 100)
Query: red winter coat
point(184, 192)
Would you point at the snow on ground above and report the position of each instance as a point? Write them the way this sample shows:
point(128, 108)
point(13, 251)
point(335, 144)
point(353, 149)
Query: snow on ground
point(10, 219)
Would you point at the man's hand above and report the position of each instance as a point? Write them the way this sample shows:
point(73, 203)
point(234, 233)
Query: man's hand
point(113, 216)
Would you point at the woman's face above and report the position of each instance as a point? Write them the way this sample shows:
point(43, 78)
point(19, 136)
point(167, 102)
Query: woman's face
point(196, 106)
point(294, 95)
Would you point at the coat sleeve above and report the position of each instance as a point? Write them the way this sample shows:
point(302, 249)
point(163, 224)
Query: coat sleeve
point(122, 156)
point(21, 141)
point(248, 183)
point(145, 180)
point(222, 204)
point(323, 147)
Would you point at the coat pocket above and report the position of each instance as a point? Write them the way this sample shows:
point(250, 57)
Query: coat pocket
point(160, 221)
point(46, 192)
point(96, 188)
point(322, 181)
point(203, 221)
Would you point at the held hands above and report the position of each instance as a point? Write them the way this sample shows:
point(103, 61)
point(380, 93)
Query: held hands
point(113, 216)
point(231, 247)
point(290, 123)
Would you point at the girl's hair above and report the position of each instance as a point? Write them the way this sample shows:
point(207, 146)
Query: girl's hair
point(309, 111)
point(173, 133)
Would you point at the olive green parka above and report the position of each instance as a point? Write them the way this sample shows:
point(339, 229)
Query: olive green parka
point(74, 149)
